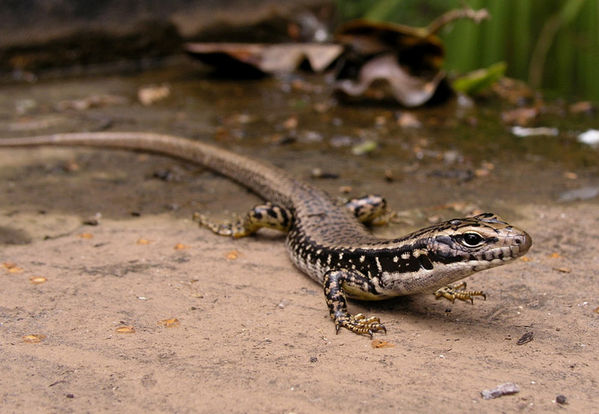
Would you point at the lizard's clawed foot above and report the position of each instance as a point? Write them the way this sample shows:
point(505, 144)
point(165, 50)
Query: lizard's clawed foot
point(360, 324)
point(459, 292)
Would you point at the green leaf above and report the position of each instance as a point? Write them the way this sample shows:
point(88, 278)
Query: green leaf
point(364, 148)
point(477, 81)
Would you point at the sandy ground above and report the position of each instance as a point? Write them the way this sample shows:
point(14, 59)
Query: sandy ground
point(252, 333)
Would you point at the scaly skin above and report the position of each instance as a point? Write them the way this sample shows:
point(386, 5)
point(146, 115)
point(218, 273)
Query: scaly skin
point(324, 237)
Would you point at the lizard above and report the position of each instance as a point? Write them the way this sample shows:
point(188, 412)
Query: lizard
point(326, 238)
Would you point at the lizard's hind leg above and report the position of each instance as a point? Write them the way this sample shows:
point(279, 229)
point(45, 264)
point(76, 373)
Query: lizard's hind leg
point(267, 215)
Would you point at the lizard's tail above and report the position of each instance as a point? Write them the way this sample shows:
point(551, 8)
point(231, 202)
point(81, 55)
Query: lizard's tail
point(267, 181)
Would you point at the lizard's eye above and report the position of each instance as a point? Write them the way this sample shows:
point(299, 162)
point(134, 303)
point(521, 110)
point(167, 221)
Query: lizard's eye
point(472, 239)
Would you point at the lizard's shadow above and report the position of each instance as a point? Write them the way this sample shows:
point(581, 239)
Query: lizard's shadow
point(424, 311)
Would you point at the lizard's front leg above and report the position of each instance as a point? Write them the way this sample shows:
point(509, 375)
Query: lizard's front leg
point(334, 281)
point(370, 210)
point(458, 291)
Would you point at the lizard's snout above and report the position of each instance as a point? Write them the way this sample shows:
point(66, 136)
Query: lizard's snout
point(522, 242)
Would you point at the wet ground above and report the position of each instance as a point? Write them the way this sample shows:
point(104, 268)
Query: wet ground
point(458, 154)
point(253, 333)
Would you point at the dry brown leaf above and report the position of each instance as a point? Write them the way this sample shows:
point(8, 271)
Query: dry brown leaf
point(125, 329)
point(520, 116)
point(34, 338)
point(86, 236)
point(415, 46)
point(407, 89)
point(514, 91)
point(142, 241)
point(291, 123)
point(181, 246)
point(265, 58)
point(481, 172)
point(232, 255)
point(12, 267)
point(389, 61)
point(15, 270)
point(563, 269)
point(169, 323)
point(570, 175)
point(37, 280)
point(583, 106)
point(379, 343)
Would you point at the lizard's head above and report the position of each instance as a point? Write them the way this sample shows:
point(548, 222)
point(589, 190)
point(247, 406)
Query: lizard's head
point(449, 251)
point(481, 242)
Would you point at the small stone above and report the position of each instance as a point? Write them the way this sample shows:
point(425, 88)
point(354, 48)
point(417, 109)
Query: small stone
point(92, 221)
point(583, 193)
point(320, 174)
point(504, 389)
point(389, 175)
point(310, 136)
point(314, 359)
point(560, 399)
point(164, 174)
point(148, 95)
point(408, 120)
point(341, 141)
point(526, 338)
point(590, 137)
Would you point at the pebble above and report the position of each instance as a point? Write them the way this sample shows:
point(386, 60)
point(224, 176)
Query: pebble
point(560, 399)
point(504, 389)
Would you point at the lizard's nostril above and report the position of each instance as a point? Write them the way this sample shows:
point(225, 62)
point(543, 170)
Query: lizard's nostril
point(524, 241)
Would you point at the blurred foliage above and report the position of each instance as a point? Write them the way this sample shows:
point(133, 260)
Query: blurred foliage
point(480, 79)
point(553, 44)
